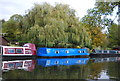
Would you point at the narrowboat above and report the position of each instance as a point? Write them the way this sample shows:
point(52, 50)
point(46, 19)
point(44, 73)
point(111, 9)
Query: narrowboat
point(46, 62)
point(60, 52)
point(105, 59)
point(96, 52)
point(27, 65)
point(28, 49)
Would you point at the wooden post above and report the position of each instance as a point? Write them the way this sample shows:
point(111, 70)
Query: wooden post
point(119, 23)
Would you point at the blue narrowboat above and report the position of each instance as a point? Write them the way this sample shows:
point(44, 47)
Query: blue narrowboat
point(46, 62)
point(58, 52)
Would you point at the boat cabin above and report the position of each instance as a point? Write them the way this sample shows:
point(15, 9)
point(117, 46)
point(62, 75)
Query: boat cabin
point(17, 51)
point(95, 51)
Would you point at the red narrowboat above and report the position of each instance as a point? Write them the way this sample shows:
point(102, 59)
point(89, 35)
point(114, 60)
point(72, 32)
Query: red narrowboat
point(27, 65)
point(28, 49)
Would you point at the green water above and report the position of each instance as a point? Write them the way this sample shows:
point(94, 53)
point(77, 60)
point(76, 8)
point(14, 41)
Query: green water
point(88, 69)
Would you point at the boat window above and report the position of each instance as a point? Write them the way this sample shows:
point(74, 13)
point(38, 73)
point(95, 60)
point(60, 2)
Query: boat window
point(111, 51)
point(48, 62)
point(11, 50)
point(79, 61)
point(87, 51)
point(19, 64)
point(66, 61)
point(79, 51)
point(48, 51)
point(99, 51)
point(56, 62)
point(105, 59)
point(83, 51)
point(67, 51)
point(19, 51)
point(28, 63)
point(112, 59)
point(105, 51)
point(27, 51)
point(116, 51)
point(82, 61)
point(119, 52)
point(57, 52)
point(11, 65)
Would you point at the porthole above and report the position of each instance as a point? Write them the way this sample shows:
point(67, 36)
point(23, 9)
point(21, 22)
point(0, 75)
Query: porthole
point(66, 61)
point(78, 61)
point(57, 52)
point(82, 61)
point(56, 62)
point(67, 51)
point(83, 51)
point(79, 51)
point(48, 51)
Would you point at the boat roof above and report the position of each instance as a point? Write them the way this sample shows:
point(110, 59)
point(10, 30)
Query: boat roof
point(14, 47)
point(103, 50)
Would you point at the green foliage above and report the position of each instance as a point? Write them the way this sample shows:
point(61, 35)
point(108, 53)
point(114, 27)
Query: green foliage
point(96, 20)
point(13, 27)
point(106, 8)
point(113, 35)
point(47, 25)
point(57, 26)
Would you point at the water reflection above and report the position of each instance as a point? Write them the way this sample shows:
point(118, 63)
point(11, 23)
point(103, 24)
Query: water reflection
point(27, 65)
point(105, 68)
point(61, 61)
point(62, 68)
point(106, 59)
point(103, 75)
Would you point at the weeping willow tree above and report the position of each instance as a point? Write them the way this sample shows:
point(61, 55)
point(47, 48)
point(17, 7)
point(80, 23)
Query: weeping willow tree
point(47, 25)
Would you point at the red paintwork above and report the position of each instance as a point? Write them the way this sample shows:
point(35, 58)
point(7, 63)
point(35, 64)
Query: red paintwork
point(27, 49)
point(32, 47)
point(27, 65)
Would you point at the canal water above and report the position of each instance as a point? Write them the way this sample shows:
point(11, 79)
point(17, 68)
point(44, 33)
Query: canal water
point(88, 69)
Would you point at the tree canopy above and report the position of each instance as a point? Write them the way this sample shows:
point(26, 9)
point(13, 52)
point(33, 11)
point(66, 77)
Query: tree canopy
point(58, 26)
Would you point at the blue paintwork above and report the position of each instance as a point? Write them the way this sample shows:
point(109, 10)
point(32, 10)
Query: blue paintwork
point(61, 61)
point(51, 52)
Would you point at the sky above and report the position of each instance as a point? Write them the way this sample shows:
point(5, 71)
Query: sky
point(11, 7)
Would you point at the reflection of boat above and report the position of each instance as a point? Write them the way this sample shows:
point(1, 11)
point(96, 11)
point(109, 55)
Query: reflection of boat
point(61, 61)
point(27, 65)
point(57, 52)
point(27, 50)
point(108, 59)
point(105, 52)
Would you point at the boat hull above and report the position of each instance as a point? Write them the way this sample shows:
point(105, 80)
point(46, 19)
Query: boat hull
point(58, 52)
point(105, 53)
point(46, 62)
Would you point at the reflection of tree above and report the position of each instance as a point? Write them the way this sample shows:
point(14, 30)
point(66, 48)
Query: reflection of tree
point(61, 72)
point(17, 74)
point(88, 71)
point(53, 72)
point(95, 69)
point(114, 69)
